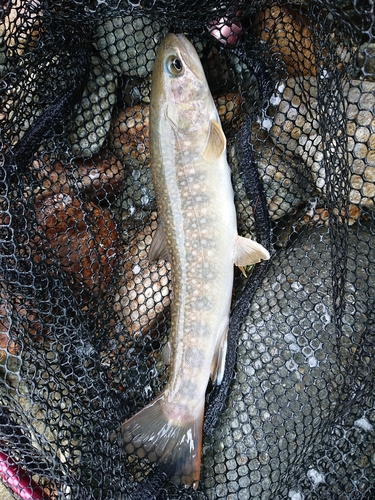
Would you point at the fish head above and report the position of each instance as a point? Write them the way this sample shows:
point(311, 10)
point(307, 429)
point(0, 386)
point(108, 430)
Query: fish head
point(179, 87)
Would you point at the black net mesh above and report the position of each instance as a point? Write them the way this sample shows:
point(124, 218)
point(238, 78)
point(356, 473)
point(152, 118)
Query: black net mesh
point(84, 315)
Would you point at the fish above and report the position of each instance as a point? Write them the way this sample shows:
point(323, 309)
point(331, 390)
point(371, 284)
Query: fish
point(197, 234)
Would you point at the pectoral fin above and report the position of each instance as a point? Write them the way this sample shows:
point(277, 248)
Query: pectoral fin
point(158, 248)
point(216, 142)
point(249, 252)
point(218, 362)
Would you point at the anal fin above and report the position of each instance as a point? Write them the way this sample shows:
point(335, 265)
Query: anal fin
point(218, 362)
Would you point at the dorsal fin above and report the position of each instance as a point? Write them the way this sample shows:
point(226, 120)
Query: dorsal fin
point(216, 142)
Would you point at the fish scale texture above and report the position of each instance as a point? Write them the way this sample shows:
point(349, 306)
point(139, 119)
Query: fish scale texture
point(84, 315)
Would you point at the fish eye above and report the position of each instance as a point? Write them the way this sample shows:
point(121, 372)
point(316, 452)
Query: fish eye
point(174, 66)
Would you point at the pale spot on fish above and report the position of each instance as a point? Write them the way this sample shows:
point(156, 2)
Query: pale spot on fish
point(197, 329)
point(188, 388)
point(194, 357)
point(201, 304)
point(192, 289)
point(176, 412)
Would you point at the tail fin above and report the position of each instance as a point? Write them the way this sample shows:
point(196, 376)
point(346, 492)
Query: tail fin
point(175, 443)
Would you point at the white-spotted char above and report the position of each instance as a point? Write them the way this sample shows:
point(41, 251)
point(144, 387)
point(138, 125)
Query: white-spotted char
point(197, 233)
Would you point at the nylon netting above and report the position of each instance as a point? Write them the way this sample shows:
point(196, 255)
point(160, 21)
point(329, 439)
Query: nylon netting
point(84, 315)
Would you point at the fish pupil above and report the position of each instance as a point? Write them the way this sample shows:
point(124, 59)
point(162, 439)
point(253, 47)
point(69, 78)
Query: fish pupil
point(177, 64)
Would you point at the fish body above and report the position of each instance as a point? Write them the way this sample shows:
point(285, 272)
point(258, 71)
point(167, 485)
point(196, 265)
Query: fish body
point(197, 233)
